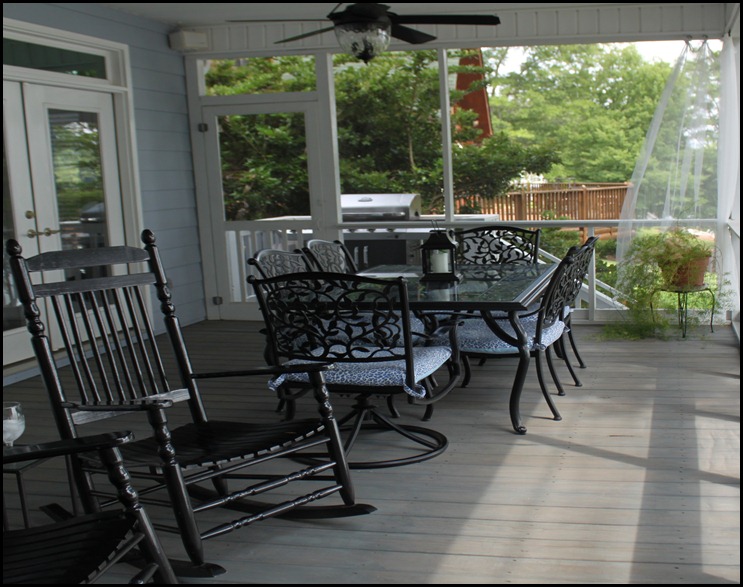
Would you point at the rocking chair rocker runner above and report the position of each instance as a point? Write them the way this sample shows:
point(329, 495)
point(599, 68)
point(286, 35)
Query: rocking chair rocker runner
point(117, 367)
point(83, 548)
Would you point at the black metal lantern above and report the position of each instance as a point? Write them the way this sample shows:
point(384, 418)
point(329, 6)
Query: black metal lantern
point(438, 255)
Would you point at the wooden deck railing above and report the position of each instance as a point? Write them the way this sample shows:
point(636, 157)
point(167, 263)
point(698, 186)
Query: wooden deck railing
point(552, 201)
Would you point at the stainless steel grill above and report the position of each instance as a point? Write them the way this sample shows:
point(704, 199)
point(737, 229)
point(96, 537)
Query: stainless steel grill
point(380, 207)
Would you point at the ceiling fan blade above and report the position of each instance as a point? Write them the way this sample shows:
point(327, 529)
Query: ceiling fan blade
point(410, 35)
point(305, 35)
point(478, 19)
point(260, 20)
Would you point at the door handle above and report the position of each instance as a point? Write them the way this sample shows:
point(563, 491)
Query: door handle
point(31, 233)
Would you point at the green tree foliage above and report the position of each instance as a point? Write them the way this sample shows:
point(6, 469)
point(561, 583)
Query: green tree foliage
point(389, 136)
point(264, 158)
point(78, 177)
point(264, 166)
point(389, 129)
point(579, 112)
point(593, 103)
point(389, 133)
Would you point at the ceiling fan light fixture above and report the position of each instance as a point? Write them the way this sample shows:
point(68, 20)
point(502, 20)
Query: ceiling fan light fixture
point(364, 40)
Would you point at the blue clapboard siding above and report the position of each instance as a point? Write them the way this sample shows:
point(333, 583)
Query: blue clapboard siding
point(162, 134)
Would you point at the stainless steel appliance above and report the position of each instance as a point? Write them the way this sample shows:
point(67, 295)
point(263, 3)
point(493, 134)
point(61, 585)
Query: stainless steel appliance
point(371, 246)
point(380, 207)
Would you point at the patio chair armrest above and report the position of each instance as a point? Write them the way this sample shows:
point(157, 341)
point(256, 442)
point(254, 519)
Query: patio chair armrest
point(270, 371)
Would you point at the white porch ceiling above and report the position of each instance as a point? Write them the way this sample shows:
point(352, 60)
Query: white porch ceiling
point(205, 14)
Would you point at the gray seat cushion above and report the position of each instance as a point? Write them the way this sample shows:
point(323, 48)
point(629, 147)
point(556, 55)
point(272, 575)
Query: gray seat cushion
point(427, 361)
point(475, 336)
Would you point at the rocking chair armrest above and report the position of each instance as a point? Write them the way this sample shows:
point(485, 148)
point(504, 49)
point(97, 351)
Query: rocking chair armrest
point(270, 371)
point(139, 405)
point(68, 446)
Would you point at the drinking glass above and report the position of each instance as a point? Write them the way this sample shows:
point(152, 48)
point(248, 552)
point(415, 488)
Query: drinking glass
point(14, 422)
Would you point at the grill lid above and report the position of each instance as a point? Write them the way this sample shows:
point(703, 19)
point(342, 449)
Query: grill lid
point(370, 207)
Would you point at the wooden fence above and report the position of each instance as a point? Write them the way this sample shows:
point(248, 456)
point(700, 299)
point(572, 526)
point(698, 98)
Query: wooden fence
point(548, 201)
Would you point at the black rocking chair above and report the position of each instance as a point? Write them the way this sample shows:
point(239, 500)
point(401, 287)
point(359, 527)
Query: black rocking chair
point(81, 549)
point(118, 366)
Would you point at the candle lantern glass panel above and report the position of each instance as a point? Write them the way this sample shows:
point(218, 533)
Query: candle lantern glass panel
point(438, 255)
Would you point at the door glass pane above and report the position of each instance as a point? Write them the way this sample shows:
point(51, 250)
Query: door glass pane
point(78, 181)
point(12, 313)
point(264, 166)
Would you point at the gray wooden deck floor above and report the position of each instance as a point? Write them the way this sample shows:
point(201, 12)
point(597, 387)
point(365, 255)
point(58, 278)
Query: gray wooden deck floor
point(639, 483)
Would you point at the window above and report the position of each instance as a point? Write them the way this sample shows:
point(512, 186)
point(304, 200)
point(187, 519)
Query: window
point(56, 59)
point(259, 75)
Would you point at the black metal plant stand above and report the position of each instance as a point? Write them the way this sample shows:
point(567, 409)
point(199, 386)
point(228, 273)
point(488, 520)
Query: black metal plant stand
point(682, 308)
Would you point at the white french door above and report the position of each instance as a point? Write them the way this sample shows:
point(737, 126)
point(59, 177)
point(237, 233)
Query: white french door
point(61, 183)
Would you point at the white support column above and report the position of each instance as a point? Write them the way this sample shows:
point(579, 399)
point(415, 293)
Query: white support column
point(324, 170)
point(446, 135)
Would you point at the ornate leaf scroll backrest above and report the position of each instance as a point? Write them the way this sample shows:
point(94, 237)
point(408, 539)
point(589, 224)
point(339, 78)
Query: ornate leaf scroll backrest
point(335, 317)
point(559, 291)
point(273, 262)
point(567, 282)
point(583, 256)
point(330, 256)
point(489, 245)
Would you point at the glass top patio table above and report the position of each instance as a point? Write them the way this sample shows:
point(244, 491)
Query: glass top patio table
point(501, 288)
point(506, 288)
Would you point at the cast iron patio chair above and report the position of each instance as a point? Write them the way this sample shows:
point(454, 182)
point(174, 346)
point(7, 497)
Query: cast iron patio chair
point(334, 257)
point(493, 245)
point(495, 337)
point(583, 259)
point(361, 326)
point(273, 262)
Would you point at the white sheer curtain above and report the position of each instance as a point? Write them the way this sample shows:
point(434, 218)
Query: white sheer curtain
point(676, 177)
point(729, 169)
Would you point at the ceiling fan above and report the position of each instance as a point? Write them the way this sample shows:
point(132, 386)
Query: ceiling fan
point(364, 30)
